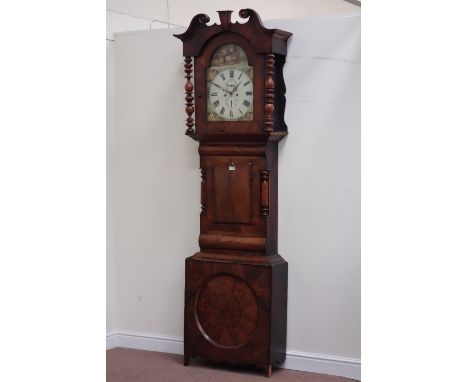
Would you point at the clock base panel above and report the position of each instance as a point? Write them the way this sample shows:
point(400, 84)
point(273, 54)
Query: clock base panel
point(235, 312)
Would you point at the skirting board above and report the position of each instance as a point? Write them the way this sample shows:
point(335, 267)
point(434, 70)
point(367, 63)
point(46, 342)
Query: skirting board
point(316, 363)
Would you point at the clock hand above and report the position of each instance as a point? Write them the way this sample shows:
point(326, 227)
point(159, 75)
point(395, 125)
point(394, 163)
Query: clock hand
point(224, 90)
point(235, 88)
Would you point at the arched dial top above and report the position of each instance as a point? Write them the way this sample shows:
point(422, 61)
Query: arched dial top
point(229, 85)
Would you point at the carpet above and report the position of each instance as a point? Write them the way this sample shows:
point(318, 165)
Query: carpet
point(129, 365)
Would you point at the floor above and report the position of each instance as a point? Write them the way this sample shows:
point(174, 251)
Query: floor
point(129, 365)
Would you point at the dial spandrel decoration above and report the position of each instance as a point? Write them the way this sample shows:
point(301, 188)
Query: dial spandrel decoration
point(229, 85)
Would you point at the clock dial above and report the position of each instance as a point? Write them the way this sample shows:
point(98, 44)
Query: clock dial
point(229, 85)
point(231, 94)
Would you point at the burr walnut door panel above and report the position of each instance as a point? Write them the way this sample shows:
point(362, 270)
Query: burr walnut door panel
point(227, 312)
point(236, 312)
point(231, 195)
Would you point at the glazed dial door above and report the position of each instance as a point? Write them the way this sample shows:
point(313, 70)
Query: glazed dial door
point(230, 85)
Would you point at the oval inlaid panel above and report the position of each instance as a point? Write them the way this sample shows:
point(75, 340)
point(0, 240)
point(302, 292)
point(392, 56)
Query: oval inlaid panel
point(227, 311)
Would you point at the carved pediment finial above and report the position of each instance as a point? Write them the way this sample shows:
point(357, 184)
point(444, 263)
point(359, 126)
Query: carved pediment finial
point(198, 20)
point(247, 13)
point(225, 18)
point(203, 18)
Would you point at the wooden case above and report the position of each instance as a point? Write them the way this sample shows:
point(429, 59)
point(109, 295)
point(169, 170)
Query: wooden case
point(236, 286)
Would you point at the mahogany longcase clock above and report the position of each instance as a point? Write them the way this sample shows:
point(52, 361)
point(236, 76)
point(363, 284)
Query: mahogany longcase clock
point(236, 286)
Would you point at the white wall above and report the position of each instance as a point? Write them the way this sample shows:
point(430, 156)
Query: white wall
point(180, 12)
point(154, 195)
point(319, 187)
point(116, 21)
point(120, 22)
point(110, 189)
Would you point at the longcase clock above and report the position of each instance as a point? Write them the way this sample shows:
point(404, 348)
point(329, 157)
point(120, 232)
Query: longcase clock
point(236, 286)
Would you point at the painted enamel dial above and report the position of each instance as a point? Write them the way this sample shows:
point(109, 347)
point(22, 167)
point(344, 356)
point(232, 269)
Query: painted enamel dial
point(231, 94)
point(229, 85)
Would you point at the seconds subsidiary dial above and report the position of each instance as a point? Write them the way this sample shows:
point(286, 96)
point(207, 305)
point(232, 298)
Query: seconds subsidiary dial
point(231, 94)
